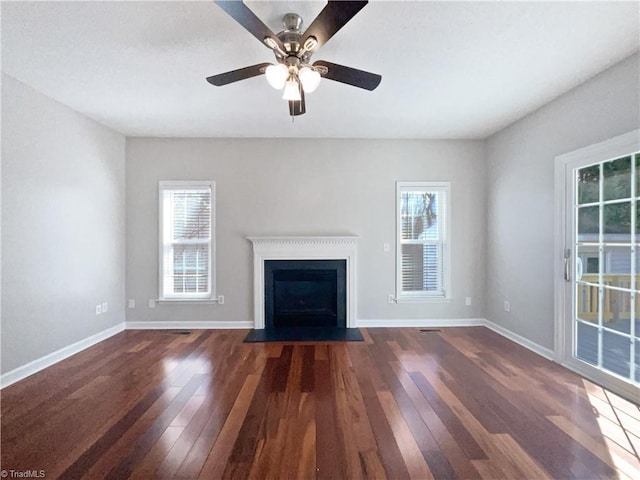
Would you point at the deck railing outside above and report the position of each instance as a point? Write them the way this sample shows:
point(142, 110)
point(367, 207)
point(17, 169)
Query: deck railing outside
point(616, 304)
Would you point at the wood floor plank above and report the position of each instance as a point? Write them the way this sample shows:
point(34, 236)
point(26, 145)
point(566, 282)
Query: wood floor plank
point(111, 455)
point(222, 448)
point(370, 384)
point(457, 460)
point(436, 461)
point(487, 470)
point(608, 452)
point(307, 427)
point(413, 459)
point(451, 403)
point(127, 465)
point(330, 451)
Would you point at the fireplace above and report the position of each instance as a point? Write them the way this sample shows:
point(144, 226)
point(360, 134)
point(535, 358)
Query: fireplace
point(305, 293)
point(315, 276)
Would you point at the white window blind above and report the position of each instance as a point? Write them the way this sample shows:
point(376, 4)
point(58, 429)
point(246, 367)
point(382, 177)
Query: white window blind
point(422, 256)
point(186, 240)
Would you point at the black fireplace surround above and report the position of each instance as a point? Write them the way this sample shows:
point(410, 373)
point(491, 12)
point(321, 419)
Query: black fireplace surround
point(305, 293)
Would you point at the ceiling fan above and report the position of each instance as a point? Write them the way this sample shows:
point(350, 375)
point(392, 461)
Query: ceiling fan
point(293, 49)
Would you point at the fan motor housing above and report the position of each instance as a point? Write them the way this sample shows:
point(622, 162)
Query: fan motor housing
point(292, 21)
point(292, 35)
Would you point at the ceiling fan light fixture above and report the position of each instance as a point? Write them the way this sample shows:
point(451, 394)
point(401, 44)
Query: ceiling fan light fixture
point(277, 75)
point(291, 90)
point(310, 43)
point(309, 78)
point(293, 50)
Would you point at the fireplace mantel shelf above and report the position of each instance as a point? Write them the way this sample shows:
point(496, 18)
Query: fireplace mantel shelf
point(303, 240)
point(303, 248)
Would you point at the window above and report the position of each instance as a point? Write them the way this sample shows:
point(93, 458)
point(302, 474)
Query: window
point(186, 240)
point(422, 241)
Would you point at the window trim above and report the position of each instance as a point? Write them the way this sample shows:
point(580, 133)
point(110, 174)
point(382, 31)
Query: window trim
point(197, 297)
point(425, 297)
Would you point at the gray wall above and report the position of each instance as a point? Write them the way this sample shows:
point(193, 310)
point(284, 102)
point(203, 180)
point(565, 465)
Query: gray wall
point(63, 239)
point(304, 187)
point(520, 191)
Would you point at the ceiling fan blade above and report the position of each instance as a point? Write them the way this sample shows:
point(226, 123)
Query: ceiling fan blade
point(297, 107)
point(332, 18)
point(350, 76)
point(245, 17)
point(236, 75)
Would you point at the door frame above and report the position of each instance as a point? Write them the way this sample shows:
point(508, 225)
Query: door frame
point(563, 301)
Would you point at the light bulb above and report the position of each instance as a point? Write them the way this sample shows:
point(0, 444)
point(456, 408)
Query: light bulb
point(277, 75)
point(309, 78)
point(291, 90)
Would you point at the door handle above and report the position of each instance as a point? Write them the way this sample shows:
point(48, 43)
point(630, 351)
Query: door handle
point(579, 269)
point(567, 265)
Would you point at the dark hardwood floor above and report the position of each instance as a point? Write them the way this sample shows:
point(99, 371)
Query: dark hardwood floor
point(461, 403)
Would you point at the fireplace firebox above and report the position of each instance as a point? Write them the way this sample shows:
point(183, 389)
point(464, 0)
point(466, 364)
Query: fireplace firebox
point(305, 293)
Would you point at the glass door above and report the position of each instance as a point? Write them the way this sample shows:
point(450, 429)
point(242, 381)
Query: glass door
point(603, 266)
point(597, 266)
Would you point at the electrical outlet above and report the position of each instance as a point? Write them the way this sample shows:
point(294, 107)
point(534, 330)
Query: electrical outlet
point(507, 306)
point(98, 309)
point(105, 307)
point(386, 247)
point(152, 303)
point(132, 303)
point(391, 299)
point(467, 301)
point(220, 299)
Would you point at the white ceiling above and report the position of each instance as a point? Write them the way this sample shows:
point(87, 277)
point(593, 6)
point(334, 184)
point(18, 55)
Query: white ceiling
point(449, 69)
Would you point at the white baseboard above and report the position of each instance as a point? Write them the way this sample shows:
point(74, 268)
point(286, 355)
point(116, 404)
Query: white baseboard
point(421, 322)
point(514, 337)
point(41, 363)
point(177, 325)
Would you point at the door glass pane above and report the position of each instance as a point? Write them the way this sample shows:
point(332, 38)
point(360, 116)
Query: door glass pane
point(617, 268)
point(617, 179)
point(616, 351)
point(587, 302)
point(588, 263)
point(637, 176)
point(637, 359)
point(588, 223)
point(617, 310)
point(617, 221)
point(587, 343)
point(589, 184)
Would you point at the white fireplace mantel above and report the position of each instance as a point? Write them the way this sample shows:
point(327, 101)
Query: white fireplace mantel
point(303, 248)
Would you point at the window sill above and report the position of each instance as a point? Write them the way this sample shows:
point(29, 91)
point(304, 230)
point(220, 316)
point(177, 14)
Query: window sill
point(424, 299)
point(188, 300)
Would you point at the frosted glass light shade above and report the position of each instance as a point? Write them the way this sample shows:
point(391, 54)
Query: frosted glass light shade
point(277, 75)
point(291, 90)
point(309, 78)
